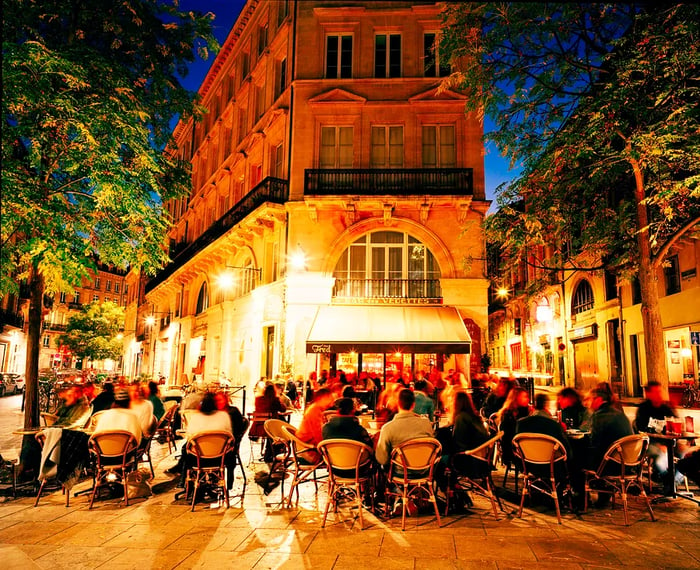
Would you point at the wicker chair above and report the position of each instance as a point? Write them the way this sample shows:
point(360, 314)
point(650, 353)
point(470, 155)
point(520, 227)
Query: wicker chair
point(306, 461)
point(115, 458)
point(209, 451)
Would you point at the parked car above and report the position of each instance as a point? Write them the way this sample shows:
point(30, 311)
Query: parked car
point(11, 383)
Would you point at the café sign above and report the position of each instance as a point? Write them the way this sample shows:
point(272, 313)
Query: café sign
point(321, 348)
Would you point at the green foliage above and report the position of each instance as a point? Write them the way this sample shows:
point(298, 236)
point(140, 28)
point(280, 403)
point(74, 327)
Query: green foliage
point(585, 96)
point(94, 332)
point(89, 94)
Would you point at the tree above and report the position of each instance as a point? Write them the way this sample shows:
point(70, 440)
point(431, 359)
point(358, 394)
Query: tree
point(90, 90)
point(598, 104)
point(93, 333)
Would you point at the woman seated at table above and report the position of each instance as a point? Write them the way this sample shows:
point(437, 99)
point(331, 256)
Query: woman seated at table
point(267, 406)
point(517, 406)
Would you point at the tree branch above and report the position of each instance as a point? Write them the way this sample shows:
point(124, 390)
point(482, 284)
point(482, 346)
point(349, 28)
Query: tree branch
point(658, 258)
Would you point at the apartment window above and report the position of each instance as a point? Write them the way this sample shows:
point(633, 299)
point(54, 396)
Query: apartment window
point(202, 299)
point(432, 64)
point(636, 291)
point(439, 146)
point(244, 65)
point(255, 175)
point(259, 101)
point(242, 123)
point(281, 78)
point(278, 161)
point(46, 341)
point(116, 287)
point(387, 147)
point(262, 38)
point(282, 11)
point(339, 57)
point(336, 147)
point(98, 283)
point(387, 55)
point(108, 285)
point(95, 298)
point(583, 298)
point(517, 326)
point(672, 275)
point(610, 285)
point(62, 297)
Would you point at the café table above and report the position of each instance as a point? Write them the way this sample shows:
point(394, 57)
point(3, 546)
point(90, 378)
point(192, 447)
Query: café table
point(669, 441)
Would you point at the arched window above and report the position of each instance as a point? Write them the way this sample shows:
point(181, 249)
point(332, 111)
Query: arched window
point(387, 264)
point(582, 299)
point(202, 299)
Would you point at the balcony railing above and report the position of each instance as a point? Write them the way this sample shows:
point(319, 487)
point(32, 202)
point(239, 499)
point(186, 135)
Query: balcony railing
point(11, 318)
point(273, 190)
point(397, 290)
point(75, 306)
point(389, 181)
point(60, 327)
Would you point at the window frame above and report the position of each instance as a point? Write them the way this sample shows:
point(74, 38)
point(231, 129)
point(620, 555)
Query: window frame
point(438, 144)
point(339, 55)
point(337, 147)
point(672, 275)
point(433, 54)
point(583, 298)
point(388, 51)
point(387, 146)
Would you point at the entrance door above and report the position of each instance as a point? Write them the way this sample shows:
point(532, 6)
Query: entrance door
point(269, 351)
point(614, 350)
point(634, 362)
point(585, 365)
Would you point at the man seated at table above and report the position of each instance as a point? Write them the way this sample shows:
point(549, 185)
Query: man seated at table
point(541, 422)
point(311, 427)
point(651, 418)
point(345, 425)
point(405, 425)
point(73, 409)
point(424, 403)
point(105, 399)
point(119, 417)
point(573, 413)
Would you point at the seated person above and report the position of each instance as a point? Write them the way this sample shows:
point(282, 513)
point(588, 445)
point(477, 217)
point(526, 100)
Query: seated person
point(311, 427)
point(156, 402)
point(345, 425)
point(495, 400)
point(142, 408)
point(267, 406)
point(119, 417)
point(608, 424)
point(349, 392)
point(689, 465)
point(282, 396)
point(405, 425)
point(651, 418)
point(105, 399)
point(73, 409)
point(541, 422)
point(424, 403)
point(573, 413)
point(517, 406)
point(469, 431)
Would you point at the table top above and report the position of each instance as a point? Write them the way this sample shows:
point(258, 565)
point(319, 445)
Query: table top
point(684, 435)
point(576, 433)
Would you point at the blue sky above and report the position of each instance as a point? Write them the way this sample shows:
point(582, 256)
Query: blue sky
point(226, 12)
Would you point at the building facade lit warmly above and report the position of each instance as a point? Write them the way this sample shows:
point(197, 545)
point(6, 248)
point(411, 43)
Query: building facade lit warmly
point(334, 220)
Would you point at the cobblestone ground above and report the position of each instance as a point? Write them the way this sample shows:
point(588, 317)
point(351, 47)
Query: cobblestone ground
point(255, 532)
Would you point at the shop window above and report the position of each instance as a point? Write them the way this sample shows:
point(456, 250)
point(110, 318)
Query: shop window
point(672, 275)
point(202, 299)
point(339, 57)
point(583, 298)
point(387, 55)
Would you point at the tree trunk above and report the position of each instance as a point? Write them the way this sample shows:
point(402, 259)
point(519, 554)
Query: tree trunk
point(36, 306)
point(651, 314)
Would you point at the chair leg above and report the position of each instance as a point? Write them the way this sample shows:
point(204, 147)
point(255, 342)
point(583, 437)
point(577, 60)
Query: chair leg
point(38, 495)
point(126, 490)
point(404, 506)
point(648, 502)
point(331, 498)
point(624, 504)
point(522, 498)
point(555, 496)
point(194, 491)
point(358, 497)
point(491, 496)
point(434, 501)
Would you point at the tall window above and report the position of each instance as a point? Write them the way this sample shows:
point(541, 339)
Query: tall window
point(242, 123)
point(62, 297)
point(259, 101)
point(262, 38)
point(116, 287)
point(255, 175)
point(336, 147)
point(339, 57)
point(387, 264)
point(672, 275)
point(278, 161)
point(282, 11)
point(98, 283)
point(244, 65)
point(281, 78)
point(582, 299)
point(439, 146)
point(387, 147)
point(108, 285)
point(387, 55)
point(432, 64)
point(202, 299)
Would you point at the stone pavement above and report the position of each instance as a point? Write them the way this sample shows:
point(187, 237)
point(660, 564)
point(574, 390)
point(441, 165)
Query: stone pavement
point(256, 533)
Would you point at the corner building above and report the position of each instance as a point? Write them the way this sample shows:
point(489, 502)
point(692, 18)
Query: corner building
point(334, 220)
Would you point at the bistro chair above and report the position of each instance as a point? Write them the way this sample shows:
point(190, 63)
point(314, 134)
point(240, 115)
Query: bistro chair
point(115, 458)
point(349, 464)
point(306, 461)
point(478, 479)
point(164, 430)
point(411, 470)
point(208, 450)
point(620, 469)
point(281, 449)
point(257, 434)
point(543, 460)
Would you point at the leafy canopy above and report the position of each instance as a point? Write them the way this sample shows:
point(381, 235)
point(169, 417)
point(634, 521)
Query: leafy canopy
point(581, 96)
point(89, 93)
point(94, 332)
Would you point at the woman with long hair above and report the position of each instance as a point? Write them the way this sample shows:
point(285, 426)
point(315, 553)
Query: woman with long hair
point(517, 406)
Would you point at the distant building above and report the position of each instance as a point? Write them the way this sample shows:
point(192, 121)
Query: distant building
point(334, 220)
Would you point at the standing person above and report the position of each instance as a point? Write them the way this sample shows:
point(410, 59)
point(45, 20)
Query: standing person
point(405, 425)
point(156, 402)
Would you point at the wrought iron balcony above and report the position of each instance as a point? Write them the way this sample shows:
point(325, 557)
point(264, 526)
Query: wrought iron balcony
point(389, 181)
point(391, 290)
point(60, 327)
point(11, 318)
point(273, 190)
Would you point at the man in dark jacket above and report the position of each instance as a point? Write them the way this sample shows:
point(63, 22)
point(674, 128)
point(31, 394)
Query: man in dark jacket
point(541, 422)
point(344, 425)
point(608, 424)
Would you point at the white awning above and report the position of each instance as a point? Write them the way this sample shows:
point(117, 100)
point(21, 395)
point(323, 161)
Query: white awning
point(420, 330)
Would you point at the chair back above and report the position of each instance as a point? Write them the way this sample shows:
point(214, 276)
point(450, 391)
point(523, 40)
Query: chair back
point(628, 452)
point(113, 443)
point(307, 452)
point(538, 449)
point(185, 414)
point(345, 454)
point(492, 423)
point(416, 457)
point(273, 428)
point(485, 450)
point(210, 444)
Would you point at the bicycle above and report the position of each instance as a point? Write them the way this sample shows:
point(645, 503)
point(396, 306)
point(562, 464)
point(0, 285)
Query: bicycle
point(691, 395)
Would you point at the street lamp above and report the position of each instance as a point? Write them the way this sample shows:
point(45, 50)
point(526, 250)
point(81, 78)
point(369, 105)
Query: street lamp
point(227, 279)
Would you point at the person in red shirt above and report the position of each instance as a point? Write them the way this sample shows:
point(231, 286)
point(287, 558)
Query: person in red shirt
point(311, 427)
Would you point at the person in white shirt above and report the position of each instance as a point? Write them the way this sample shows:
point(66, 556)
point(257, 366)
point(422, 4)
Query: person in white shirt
point(143, 408)
point(119, 417)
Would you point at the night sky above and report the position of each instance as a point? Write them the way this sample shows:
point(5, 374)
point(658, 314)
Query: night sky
point(226, 12)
